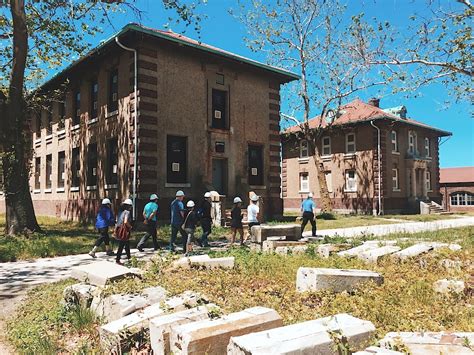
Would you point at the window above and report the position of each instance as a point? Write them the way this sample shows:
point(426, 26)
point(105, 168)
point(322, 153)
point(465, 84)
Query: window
point(328, 180)
point(394, 139)
point(177, 159)
point(75, 168)
point(412, 142)
point(395, 182)
point(49, 118)
point(350, 143)
point(37, 173)
point(111, 176)
point(351, 182)
point(113, 91)
point(92, 165)
point(76, 108)
point(428, 180)
point(327, 146)
point(255, 164)
point(219, 109)
point(427, 147)
point(304, 182)
point(462, 199)
point(220, 79)
point(304, 149)
point(61, 169)
point(49, 171)
point(94, 98)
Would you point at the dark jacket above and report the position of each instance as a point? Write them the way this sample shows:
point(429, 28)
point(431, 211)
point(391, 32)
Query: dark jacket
point(105, 218)
point(236, 217)
point(206, 209)
point(191, 219)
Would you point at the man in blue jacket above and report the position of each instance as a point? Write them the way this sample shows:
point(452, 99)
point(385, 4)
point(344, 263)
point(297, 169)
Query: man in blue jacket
point(177, 219)
point(105, 219)
point(150, 218)
point(308, 207)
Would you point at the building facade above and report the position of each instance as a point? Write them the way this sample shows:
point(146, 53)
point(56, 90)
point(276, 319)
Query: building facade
point(457, 189)
point(207, 120)
point(409, 161)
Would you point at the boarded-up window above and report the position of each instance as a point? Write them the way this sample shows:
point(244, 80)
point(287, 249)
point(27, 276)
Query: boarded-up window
point(76, 108)
point(219, 109)
point(37, 173)
point(176, 157)
point(255, 164)
point(75, 168)
point(113, 91)
point(61, 169)
point(94, 99)
point(49, 171)
point(111, 177)
point(92, 164)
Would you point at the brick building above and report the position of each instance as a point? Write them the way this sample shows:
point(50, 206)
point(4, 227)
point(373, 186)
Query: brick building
point(409, 169)
point(207, 120)
point(457, 189)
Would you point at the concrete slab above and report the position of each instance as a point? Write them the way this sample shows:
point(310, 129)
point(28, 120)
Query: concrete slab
point(312, 337)
point(100, 273)
point(262, 232)
point(371, 350)
point(446, 286)
point(451, 246)
point(211, 337)
point(325, 250)
point(185, 300)
point(160, 327)
point(422, 343)
point(205, 261)
point(372, 255)
point(357, 250)
point(269, 246)
point(336, 280)
point(413, 251)
point(293, 250)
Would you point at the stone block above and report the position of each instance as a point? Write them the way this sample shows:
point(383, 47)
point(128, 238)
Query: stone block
point(270, 246)
point(412, 251)
point(211, 337)
point(371, 350)
point(336, 280)
point(422, 343)
point(263, 231)
point(438, 245)
point(100, 273)
point(449, 264)
point(446, 286)
point(160, 327)
point(185, 300)
point(206, 262)
point(256, 247)
point(372, 255)
point(311, 337)
point(79, 295)
point(324, 250)
point(293, 250)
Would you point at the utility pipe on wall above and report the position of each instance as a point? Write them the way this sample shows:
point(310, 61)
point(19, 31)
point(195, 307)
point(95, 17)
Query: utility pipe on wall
point(135, 125)
point(379, 160)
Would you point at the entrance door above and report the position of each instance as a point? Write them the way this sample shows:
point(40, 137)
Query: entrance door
point(219, 175)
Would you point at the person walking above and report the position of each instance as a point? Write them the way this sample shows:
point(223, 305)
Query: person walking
point(190, 222)
point(123, 230)
point(252, 212)
point(206, 219)
point(150, 218)
point(308, 208)
point(105, 219)
point(177, 219)
point(236, 221)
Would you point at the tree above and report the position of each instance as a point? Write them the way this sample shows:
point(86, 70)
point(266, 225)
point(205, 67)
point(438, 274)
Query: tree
point(41, 34)
point(313, 38)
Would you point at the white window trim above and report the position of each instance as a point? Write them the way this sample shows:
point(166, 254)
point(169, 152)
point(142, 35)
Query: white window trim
point(301, 149)
point(301, 190)
point(346, 181)
point(412, 134)
point(396, 151)
point(92, 121)
point(395, 180)
point(60, 189)
point(91, 187)
point(326, 174)
point(111, 186)
point(427, 147)
point(326, 145)
point(428, 180)
point(347, 143)
point(74, 188)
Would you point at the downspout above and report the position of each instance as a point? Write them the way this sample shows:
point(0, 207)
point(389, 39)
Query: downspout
point(379, 212)
point(135, 125)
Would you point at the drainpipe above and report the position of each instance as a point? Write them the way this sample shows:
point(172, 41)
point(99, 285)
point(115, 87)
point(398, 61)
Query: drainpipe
point(135, 125)
point(379, 159)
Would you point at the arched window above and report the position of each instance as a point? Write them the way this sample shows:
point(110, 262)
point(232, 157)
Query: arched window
point(462, 199)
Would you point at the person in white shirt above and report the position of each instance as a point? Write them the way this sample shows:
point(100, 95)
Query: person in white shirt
point(252, 213)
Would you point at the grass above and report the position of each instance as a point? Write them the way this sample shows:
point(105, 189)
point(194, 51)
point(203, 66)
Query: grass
point(404, 302)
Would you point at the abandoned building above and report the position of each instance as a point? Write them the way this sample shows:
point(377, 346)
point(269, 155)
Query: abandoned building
point(457, 188)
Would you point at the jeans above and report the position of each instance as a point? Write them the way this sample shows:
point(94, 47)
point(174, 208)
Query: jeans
point(174, 234)
point(150, 232)
point(309, 216)
point(123, 244)
point(206, 230)
point(104, 237)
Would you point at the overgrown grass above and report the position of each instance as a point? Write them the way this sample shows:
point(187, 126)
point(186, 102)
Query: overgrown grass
point(404, 302)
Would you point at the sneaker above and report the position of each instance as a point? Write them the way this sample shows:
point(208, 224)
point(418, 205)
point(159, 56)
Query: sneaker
point(140, 249)
point(118, 262)
point(110, 253)
point(91, 253)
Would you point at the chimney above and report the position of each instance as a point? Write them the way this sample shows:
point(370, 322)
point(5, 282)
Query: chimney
point(374, 102)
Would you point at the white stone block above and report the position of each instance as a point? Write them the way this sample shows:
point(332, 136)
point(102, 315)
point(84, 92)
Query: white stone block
point(185, 300)
point(325, 250)
point(438, 245)
point(205, 261)
point(294, 250)
point(118, 306)
point(357, 250)
point(446, 286)
point(336, 280)
point(186, 261)
point(371, 350)
point(311, 337)
point(100, 273)
point(211, 337)
point(422, 343)
point(160, 327)
point(79, 294)
point(263, 231)
point(413, 251)
point(373, 255)
point(449, 264)
point(270, 246)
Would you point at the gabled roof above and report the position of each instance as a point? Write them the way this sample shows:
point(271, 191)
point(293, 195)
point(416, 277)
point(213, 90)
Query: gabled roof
point(456, 175)
point(179, 40)
point(358, 111)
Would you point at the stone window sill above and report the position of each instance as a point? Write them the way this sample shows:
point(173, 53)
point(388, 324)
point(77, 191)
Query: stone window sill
point(75, 127)
point(396, 190)
point(184, 184)
point(395, 153)
point(37, 191)
point(350, 191)
point(258, 187)
point(38, 141)
point(349, 155)
point(303, 160)
point(92, 121)
point(49, 138)
point(112, 114)
point(75, 189)
point(60, 189)
point(326, 157)
point(111, 186)
point(91, 188)
point(303, 192)
point(48, 191)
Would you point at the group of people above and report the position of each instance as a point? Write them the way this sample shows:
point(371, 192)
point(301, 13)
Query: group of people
point(184, 220)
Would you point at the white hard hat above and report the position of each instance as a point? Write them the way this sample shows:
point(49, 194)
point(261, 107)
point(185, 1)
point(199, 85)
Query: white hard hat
point(310, 195)
point(127, 202)
point(106, 201)
point(237, 200)
point(207, 194)
point(153, 197)
point(179, 193)
point(254, 198)
point(190, 203)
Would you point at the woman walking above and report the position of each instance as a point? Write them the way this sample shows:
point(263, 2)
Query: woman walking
point(236, 221)
point(105, 219)
point(123, 230)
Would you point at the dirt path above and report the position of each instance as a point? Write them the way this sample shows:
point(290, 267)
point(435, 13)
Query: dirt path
point(7, 309)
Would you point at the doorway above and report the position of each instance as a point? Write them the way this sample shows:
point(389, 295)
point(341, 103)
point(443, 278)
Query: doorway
point(219, 175)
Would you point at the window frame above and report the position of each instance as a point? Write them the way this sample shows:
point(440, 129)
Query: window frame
point(38, 173)
point(257, 179)
point(328, 176)
point(61, 177)
point(76, 168)
point(223, 121)
point(427, 147)
point(428, 181)
point(113, 88)
point(76, 108)
point(347, 180)
point(324, 146)
point(395, 180)
point(394, 140)
point(49, 119)
point(92, 164)
point(302, 143)
point(351, 143)
point(94, 100)
point(174, 157)
point(49, 172)
point(461, 198)
point(304, 181)
point(412, 142)
point(111, 177)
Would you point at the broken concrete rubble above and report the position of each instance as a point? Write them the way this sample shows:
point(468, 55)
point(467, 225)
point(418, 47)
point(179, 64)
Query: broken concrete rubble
point(262, 232)
point(413, 251)
point(373, 255)
point(79, 295)
point(270, 246)
point(291, 250)
point(205, 261)
point(371, 350)
point(446, 286)
point(99, 273)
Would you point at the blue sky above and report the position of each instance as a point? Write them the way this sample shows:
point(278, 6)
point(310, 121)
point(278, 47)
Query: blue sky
point(222, 30)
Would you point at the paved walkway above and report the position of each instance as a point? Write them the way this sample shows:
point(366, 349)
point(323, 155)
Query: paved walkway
point(406, 227)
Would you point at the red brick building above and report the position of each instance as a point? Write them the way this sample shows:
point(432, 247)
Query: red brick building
point(457, 189)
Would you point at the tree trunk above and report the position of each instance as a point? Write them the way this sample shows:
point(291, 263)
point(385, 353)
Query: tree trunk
point(20, 215)
point(326, 204)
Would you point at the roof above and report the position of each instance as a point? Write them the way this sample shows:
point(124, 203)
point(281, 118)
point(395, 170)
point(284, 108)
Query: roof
point(456, 175)
point(358, 111)
point(181, 40)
